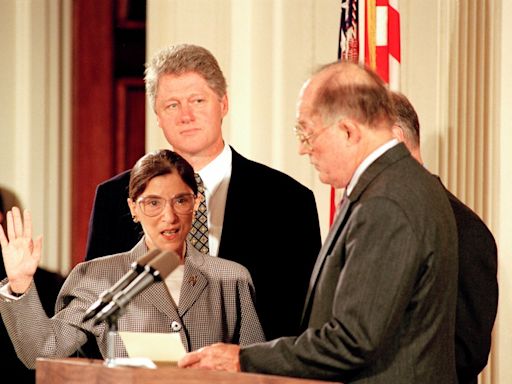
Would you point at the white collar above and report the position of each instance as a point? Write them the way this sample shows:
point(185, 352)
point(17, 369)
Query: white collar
point(368, 161)
point(218, 166)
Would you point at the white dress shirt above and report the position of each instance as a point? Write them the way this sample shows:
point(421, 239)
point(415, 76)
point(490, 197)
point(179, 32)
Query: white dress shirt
point(216, 177)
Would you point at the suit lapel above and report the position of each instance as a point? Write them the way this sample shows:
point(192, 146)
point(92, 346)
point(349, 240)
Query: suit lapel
point(394, 154)
point(232, 208)
point(158, 295)
point(336, 228)
point(194, 282)
point(389, 157)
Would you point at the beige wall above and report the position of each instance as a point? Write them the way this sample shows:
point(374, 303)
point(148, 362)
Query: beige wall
point(455, 67)
point(34, 117)
point(502, 192)
point(7, 91)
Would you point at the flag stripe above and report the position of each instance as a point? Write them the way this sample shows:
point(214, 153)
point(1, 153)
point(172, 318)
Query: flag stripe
point(382, 62)
point(381, 27)
point(332, 211)
point(370, 34)
point(349, 48)
point(394, 45)
point(394, 33)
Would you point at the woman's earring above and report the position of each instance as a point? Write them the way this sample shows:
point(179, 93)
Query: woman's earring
point(135, 219)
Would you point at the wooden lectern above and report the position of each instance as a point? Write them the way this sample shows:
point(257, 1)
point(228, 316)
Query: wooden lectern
point(89, 371)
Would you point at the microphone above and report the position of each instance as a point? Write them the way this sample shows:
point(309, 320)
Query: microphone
point(137, 267)
point(156, 270)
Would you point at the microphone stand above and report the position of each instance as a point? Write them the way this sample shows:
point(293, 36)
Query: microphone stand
point(155, 270)
point(110, 360)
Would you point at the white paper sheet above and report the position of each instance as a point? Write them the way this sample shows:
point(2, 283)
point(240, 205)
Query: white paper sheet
point(159, 347)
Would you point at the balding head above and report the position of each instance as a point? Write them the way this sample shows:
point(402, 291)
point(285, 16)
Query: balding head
point(352, 90)
point(344, 113)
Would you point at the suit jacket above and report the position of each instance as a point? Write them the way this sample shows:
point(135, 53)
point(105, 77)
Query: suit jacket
point(270, 226)
point(381, 301)
point(216, 305)
point(477, 294)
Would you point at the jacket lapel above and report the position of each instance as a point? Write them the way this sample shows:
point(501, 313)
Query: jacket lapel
point(233, 207)
point(194, 282)
point(389, 157)
point(158, 295)
point(336, 228)
point(392, 155)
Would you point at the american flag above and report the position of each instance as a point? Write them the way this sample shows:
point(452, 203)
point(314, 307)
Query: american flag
point(348, 48)
point(370, 34)
point(381, 38)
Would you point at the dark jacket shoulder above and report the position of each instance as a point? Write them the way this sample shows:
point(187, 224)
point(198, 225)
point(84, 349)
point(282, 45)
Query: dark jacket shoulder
point(257, 174)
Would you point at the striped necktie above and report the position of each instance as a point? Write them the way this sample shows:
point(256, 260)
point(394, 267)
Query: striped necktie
point(198, 235)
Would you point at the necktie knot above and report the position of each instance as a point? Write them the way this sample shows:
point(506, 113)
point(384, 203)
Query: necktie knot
point(199, 181)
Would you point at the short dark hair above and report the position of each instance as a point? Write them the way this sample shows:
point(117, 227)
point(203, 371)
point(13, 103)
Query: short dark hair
point(159, 163)
point(406, 118)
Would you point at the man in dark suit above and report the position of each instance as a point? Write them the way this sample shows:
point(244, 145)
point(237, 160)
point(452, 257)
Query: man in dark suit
point(257, 216)
point(477, 294)
point(381, 301)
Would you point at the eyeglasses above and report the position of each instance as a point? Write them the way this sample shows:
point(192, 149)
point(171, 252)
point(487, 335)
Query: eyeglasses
point(154, 205)
point(307, 139)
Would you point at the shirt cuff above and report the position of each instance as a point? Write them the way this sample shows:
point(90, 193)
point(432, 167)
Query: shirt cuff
point(6, 293)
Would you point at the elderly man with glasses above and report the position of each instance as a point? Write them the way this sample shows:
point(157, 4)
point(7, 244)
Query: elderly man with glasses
point(381, 301)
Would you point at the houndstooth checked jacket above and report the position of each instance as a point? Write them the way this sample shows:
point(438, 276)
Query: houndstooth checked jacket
point(216, 305)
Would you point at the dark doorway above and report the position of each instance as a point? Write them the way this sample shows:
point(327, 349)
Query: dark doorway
point(108, 101)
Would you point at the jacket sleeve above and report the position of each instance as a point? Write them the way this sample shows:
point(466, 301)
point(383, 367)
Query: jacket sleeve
point(34, 334)
point(250, 327)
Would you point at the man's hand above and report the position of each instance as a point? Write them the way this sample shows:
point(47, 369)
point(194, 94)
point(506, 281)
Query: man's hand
point(219, 357)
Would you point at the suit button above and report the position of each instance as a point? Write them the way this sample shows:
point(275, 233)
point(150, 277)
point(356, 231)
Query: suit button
point(175, 326)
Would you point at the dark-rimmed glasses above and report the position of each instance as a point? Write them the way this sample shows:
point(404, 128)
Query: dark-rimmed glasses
point(154, 205)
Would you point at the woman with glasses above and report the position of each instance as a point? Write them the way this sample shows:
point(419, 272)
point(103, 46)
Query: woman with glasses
point(206, 299)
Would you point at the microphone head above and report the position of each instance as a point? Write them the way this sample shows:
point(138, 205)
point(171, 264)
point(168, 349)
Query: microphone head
point(137, 267)
point(164, 263)
point(143, 260)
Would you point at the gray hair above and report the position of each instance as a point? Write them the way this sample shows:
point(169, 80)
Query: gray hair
point(180, 59)
point(407, 118)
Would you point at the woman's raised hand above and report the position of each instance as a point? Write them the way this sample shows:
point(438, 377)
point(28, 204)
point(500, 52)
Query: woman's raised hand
point(21, 254)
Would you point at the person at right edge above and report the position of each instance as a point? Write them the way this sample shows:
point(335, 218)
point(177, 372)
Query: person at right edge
point(381, 301)
point(477, 294)
point(257, 216)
